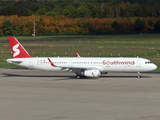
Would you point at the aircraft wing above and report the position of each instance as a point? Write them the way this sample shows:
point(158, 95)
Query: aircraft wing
point(76, 69)
point(72, 69)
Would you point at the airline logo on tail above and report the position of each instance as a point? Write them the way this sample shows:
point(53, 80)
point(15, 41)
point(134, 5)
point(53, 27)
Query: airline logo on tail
point(16, 50)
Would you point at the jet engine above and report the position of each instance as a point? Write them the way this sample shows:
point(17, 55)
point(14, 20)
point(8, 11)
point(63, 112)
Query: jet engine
point(91, 73)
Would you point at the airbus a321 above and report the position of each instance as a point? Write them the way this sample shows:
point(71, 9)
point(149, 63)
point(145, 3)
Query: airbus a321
point(81, 66)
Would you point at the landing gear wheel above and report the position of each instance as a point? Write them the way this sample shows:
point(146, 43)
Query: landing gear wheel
point(78, 76)
point(139, 75)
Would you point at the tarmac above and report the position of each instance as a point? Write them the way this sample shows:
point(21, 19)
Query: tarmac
point(40, 95)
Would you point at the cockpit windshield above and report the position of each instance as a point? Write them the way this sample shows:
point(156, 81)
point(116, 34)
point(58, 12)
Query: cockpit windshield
point(148, 62)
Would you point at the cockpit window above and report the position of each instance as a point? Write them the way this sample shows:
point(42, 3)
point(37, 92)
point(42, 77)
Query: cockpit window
point(149, 62)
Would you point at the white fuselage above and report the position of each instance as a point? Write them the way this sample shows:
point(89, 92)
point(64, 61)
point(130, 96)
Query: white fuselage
point(103, 64)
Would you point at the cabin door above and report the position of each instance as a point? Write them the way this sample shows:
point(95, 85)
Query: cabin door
point(138, 63)
point(31, 64)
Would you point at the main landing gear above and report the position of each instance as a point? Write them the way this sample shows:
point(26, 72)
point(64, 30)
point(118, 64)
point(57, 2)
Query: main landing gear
point(78, 76)
point(139, 75)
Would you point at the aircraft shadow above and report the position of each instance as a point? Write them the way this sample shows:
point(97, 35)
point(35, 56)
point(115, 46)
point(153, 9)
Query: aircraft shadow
point(68, 76)
point(49, 76)
point(126, 76)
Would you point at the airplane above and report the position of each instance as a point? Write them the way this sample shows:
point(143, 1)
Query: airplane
point(81, 66)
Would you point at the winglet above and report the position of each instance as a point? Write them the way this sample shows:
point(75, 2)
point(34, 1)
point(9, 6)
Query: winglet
point(77, 55)
point(52, 64)
point(18, 51)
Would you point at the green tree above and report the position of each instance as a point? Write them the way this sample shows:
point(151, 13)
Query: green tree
point(58, 10)
point(124, 7)
point(115, 26)
point(41, 11)
point(157, 26)
point(150, 22)
point(107, 11)
point(70, 11)
point(88, 26)
point(51, 13)
point(139, 25)
point(7, 27)
point(83, 11)
point(94, 10)
point(135, 10)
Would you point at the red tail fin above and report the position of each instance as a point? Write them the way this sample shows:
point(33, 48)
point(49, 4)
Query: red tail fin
point(77, 55)
point(17, 49)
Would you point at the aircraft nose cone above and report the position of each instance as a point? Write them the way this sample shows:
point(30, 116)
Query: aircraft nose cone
point(155, 67)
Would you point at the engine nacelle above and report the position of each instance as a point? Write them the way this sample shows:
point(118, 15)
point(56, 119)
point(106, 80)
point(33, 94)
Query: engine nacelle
point(91, 73)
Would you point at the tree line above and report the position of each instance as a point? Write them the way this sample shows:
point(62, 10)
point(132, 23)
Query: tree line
point(81, 8)
point(47, 25)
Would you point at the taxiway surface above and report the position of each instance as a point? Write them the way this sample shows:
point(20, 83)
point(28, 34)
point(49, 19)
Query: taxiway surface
point(40, 95)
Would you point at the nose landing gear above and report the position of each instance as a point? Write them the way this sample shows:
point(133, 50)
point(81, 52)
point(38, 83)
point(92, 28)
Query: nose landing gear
point(139, 75)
